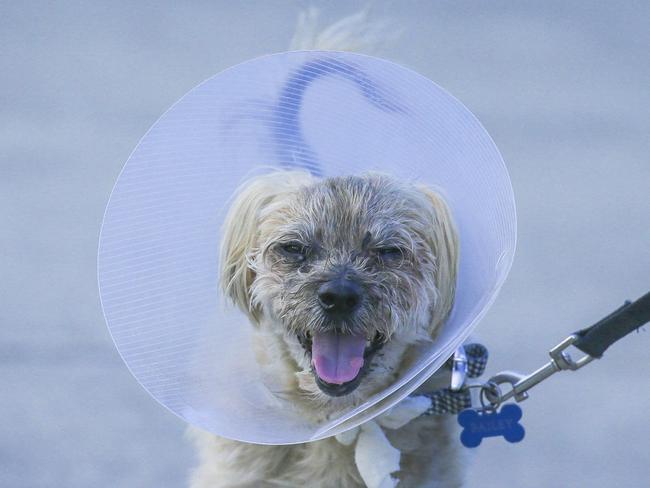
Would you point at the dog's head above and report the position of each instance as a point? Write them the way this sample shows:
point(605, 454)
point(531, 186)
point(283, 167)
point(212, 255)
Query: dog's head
point(346, 273)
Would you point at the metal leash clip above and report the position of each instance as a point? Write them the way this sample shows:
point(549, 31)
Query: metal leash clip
point(520, 384)
point(458, 369)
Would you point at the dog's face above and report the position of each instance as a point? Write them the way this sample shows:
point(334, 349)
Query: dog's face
point(346, 272)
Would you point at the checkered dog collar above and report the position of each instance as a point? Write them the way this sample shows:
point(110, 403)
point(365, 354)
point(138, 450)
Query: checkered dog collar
point(449, 401)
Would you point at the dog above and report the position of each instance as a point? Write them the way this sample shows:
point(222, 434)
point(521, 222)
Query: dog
point(341, 278)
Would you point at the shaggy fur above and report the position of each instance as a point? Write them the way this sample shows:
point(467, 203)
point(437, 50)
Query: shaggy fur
point(286, 234)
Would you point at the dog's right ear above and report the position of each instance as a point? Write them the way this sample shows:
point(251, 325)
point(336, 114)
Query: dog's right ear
point(253, 203)
point(445, 246)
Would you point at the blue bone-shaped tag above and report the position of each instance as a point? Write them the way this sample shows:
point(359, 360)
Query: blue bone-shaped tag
point(478, 425)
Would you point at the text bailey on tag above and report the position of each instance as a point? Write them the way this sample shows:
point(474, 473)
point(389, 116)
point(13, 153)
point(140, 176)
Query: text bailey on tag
point(479, 424)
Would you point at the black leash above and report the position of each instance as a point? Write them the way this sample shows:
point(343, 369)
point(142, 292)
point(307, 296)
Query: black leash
point(596, 339)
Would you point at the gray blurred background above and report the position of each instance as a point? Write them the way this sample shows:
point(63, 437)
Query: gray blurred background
point(563, 88)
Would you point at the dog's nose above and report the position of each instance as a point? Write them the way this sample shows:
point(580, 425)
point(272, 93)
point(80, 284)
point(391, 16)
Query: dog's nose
point(339, 296)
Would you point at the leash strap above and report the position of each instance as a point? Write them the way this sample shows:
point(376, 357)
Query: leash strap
point(596, 339)
point(448, 401)
point(593, 341)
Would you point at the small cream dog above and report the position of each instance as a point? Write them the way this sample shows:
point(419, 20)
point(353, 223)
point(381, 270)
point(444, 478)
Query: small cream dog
point(341, 277)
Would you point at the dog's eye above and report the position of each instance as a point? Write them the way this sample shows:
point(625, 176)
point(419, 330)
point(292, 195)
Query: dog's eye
point(389, 252)
point(294, 250)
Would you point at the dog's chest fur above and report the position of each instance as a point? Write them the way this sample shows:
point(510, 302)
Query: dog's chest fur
point(426, 443)
point(430, 457)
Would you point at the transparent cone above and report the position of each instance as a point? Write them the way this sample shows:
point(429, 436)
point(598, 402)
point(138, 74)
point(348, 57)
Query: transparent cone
point(333, 114)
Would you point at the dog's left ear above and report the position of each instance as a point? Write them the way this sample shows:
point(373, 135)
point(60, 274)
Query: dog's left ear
point(444, 243)
point(241, 231)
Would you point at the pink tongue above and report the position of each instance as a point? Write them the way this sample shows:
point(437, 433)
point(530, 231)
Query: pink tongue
point(337, 358)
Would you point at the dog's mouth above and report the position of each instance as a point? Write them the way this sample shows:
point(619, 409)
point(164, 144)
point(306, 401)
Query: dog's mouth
point(339, 361)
